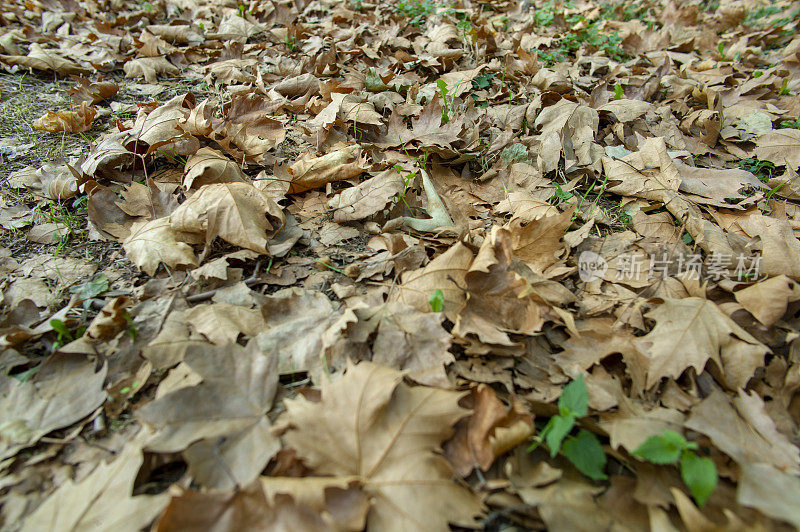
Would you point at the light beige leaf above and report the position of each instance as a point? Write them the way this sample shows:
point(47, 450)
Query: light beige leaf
point(734, 434)
point(149, 68)
point(781, 147)
point(221, 423)
point(313, 172)
point(102, 501)
point(368, 197)
point(769, 299)
point(153, 242)
point(446, 273)
point(222, 323)
point(209, 166)
point(713, 187)
point(780, 253)
point(771, 491)
point(537, 242)
point(238, 213)
point(67, 121)
point(688, 333)
point(40, 59)
point(372, 426)
point(65, 390)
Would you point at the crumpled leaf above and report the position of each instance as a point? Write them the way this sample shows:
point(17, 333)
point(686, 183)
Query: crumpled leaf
point(209, 166)
point(237, 212)
point(368, 197)
point(69, 121)
point(154, 242)
point(313, 172)
point(382, 431)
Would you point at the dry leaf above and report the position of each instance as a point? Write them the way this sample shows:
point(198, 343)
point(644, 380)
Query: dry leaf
point(152, 243)
point(372, 426)
point(76, 121)
point(238, 213)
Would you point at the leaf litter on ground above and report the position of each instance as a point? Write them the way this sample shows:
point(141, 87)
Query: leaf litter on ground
point(348, 265)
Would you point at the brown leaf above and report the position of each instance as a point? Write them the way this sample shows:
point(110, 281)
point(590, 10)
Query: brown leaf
point(781, 147)
point(773, 492)
point(372, 426)
point(101, 501)
point(537, 242)
point(64, 390)
point(368, 197)
point(209, 166)
point(490, 431)
point(313, 172)
point(154, 242)
point(688, 333)
point(221, 423)
point(237, 212)
point(92, 92)
point(76, 121)
point(747, 435)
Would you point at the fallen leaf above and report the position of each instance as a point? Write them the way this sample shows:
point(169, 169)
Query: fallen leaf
point(384, 432)
point(152, 243)
point(238, 213)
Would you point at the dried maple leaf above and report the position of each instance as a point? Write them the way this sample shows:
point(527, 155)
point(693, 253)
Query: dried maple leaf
point(153, 242)
point(371, 426)
point(491, 430)
point(446, 273)
point(688, 333)
point(238, 213)
point(76, 121)
point(773, 492)
point(402, 338)
point(781, 147)
point(536, 242)
point(209, 166)
point(149, 68)
point(65, 390)
point(368, 197)
point(745, 433)
point(40, 59)
point(222, 323)
point(310, 172)
point(101, 501)
point(219, 424)
point(92, 92)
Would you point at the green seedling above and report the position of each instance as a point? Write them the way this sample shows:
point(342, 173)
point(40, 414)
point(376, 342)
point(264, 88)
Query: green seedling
point(436, 300)
point(583, 449)
point(669, 447)
point(618, 92)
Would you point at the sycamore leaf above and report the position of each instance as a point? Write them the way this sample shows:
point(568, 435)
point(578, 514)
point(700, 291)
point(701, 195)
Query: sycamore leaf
point(368, 197)
point(770, 490)
point(536, 242)
point(65, 390)
point(209, 166)
point(313, 172)
point(154, 242)
point(781, 147)
point(238, 213)
point(101, 501)
point(688, 333)
point(372, 426)
point(219, 424)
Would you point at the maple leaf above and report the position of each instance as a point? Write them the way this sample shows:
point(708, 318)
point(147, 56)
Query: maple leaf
point(76, 121)
point(220, 424)
point(237, 212)
point(688, 333)
point(371, 426)
point(154, 242)
point(101, 501)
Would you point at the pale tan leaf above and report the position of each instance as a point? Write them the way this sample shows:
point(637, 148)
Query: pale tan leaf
point(154, 242)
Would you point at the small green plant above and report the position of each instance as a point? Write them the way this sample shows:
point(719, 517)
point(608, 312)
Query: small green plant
point(291, 44)
point(618, 92)
point(242, 10)
point(355, 5)
point(417, 10)
point(763, 170)
point(69, 217)
point(442, 85)
point(669, 447)
point(560, 196)
point(790, 124)
point(552, 57)
point(436, 300)
point(583, 449)
point(90, 289)
point(64, 334)
point(784, 90)
point(545, 15)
